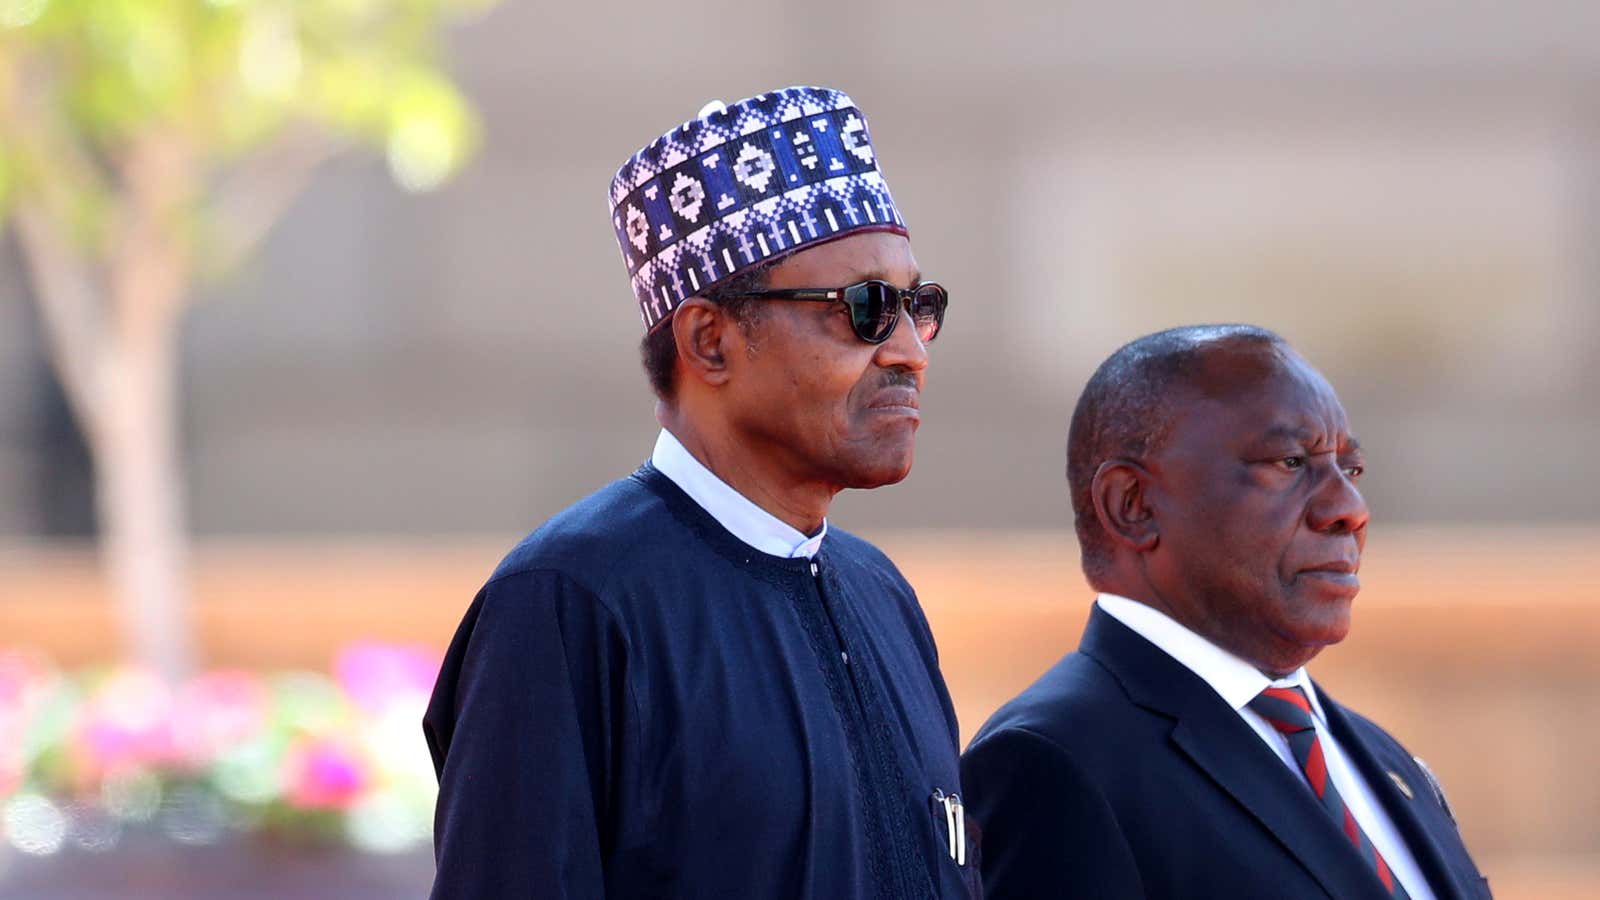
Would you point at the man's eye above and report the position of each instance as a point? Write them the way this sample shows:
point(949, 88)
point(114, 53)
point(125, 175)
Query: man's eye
point(1293, 463)
point(1354, 471)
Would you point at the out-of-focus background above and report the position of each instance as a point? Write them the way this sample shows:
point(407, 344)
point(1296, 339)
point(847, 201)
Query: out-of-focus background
point(330, 288)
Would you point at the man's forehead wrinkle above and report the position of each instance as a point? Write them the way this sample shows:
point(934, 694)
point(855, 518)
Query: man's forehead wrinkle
point(882, 273)
point(886, 265)
point(1281, 430)
point(1320, 423)
point(1305, 435)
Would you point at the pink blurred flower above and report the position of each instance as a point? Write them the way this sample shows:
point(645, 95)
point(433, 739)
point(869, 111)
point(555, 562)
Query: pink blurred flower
point(324, 773)
point(218, 711)
point(23, 677)
point(378, 676)
point(25, 680)
point(125, 723)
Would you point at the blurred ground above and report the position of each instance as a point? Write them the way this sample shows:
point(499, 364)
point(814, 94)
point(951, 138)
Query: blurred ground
point(1475, 647)
point(154, 868)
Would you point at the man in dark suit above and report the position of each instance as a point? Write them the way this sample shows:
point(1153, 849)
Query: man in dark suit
point(1182, 751)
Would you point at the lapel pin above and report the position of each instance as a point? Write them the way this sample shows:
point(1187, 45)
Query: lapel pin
point(1401, 784)
point(1438, 789)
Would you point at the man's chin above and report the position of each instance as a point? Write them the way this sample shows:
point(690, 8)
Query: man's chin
point(1328, 629)
point(881, 475)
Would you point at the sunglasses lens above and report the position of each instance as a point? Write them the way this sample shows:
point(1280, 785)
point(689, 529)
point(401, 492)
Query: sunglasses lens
point(927, 310)
point(873, 307)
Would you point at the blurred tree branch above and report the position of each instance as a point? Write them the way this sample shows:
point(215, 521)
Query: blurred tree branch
point(68, 310)
point(255, 196)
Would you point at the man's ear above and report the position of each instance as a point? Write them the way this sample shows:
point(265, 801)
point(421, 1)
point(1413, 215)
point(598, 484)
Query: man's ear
point(1121, 503)
point(703, 331)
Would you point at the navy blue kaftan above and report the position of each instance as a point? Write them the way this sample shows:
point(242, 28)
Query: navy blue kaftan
point(638, 704)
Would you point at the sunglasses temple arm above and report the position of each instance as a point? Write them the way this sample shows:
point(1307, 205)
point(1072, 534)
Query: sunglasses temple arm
point(798, 294)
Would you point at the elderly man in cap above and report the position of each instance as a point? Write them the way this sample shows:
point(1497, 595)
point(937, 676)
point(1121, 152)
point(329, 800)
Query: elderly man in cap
point(1182, 751)
point(690, 683)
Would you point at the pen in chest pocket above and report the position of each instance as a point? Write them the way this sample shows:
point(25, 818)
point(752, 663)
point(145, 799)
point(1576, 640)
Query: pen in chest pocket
point(955, 824)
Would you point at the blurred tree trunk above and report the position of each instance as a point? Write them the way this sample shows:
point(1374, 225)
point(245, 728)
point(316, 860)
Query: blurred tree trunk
point(139, 495)
point(113, 339)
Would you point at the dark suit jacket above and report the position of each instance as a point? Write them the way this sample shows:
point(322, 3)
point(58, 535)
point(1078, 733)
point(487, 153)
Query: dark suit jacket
point(1121, 774)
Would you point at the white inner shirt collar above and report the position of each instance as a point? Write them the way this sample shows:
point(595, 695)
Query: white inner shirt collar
point(733, 510)
point(1235, 680)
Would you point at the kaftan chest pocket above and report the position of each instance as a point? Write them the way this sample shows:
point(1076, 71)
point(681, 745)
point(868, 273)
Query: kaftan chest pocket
point(959, 838)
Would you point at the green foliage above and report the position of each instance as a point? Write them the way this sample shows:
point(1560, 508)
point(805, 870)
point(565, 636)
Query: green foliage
point(85, 82)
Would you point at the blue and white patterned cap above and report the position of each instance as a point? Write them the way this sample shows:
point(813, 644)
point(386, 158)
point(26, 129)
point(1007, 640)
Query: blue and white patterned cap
point(742, 184)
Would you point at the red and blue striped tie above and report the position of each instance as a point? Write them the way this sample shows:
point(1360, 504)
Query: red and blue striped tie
point(1288, 710)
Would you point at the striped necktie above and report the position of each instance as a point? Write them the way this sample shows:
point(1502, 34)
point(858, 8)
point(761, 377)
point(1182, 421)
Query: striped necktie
point(1288, 710)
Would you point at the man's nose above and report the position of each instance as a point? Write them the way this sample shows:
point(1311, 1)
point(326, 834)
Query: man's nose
point(904, 349)
point(1337, 506)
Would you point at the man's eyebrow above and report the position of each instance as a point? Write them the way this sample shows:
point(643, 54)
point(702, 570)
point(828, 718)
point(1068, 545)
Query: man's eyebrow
point(1304, 435)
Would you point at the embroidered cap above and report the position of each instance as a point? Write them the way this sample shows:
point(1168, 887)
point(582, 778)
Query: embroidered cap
point(742, 184)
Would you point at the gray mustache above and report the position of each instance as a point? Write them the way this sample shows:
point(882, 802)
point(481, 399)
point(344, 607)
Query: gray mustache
point(898, 379)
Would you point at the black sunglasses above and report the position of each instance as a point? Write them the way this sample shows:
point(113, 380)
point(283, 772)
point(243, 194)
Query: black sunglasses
point(875, 306)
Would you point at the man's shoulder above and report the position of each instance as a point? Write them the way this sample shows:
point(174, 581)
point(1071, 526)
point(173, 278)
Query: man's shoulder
point(845, 545)
point(860, 562)
point(594, 535)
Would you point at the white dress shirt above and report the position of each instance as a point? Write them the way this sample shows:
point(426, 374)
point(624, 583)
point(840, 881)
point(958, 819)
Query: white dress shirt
point(733, 510)
point(1237, 683)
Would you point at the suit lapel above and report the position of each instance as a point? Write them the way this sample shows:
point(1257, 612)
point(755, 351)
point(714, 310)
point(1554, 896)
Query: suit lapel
point(1217, 740)
point(1418, 817)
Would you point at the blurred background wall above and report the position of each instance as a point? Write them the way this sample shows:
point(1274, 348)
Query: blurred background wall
point(399, 386)
point(1410, 195)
